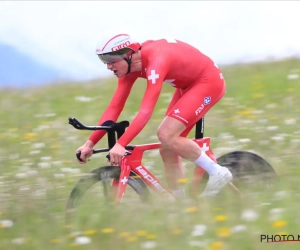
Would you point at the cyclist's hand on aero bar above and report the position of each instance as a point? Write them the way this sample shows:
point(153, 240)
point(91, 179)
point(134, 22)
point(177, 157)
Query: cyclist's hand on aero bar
point(86, 151)
point(116, 154)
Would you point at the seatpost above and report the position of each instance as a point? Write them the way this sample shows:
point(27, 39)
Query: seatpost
point(199, 133)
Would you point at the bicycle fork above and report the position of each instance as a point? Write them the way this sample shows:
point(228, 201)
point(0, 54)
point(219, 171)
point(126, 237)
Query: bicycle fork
point(121, 184)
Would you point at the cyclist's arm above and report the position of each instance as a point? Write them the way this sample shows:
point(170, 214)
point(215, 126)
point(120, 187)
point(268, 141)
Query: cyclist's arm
point(116, 105)
point(148, 103)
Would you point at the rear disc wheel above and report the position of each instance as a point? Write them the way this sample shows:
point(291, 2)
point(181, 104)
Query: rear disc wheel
point(251, 172)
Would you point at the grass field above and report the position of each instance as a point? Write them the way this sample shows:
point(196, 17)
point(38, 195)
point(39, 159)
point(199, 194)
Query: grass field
point(260, 113)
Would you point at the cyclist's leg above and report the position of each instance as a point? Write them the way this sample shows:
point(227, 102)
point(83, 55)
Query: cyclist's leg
point(171, 160)
point(194, 104)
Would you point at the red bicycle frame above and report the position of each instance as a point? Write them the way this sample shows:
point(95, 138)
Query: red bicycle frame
point(133, 162)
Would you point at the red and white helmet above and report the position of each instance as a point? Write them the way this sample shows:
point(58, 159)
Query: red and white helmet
point(116, 48)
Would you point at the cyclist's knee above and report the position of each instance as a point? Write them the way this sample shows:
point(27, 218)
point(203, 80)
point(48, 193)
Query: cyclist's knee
point(169, 130)
point(165, 137)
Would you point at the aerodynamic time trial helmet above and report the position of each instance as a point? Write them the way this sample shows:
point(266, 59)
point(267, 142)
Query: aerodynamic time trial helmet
point(116, 48)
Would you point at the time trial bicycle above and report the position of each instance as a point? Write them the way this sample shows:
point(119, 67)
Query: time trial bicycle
point(246, 167)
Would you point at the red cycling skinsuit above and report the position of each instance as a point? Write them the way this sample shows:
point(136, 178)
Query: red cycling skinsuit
point(198, 81)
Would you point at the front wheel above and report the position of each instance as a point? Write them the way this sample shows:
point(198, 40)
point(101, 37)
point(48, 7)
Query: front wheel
point(106, 176)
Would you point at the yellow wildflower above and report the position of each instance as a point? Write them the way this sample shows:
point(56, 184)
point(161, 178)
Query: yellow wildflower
point(258, 95)
point(290, 90)
point(220, 218)
point(244, 112)
point(151, 236)
point(13, 129)
point(177, 231)
point(124, 234)
point(279, 223)
point(283, 233)
point(223, 232)
point(73, 244)
point(216, 246)
point(67, 226)
point(191, 209)
point(90, 232)
point(107, 230)
point(141, 233)
point(55, 241)
point(182, 180)
point(131, 239)
point(29, 136)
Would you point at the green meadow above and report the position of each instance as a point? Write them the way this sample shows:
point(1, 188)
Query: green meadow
point(260, 113)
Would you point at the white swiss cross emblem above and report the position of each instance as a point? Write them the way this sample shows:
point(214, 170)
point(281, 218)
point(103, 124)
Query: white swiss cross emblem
point(124, 180)
point(204, 147)
point(176, 111)
point(153, 76)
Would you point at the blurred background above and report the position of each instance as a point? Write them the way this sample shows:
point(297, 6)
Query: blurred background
point(49, 72)
point(47, 41)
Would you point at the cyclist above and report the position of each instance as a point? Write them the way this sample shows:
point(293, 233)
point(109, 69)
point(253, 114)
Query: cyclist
point(199, 85)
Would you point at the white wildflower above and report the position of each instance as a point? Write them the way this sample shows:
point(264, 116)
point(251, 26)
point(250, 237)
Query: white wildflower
point(18, 241)
point(82, 240)
point(277, 138)
point(56, 163)
point(83, 99)
point(238, 228)
point(292, 76)
point(75, 170)
point(46, 158)
point(197, 243)
point(44, 165)
point(279, 195)
point(264, 142)
point(21, 175)
point(275, 214)
point(6, 223)
point(290, 121)
point(249, 215)
point(149, 244)
point(199, 230)
point(272, 128)
point(39, 193)
point(265, 204)
point(38, 145)
point(263, 120)
point(32, 173)
point(257, 112)
point(271, 105)
point(34, 152)
point(13, 156)
point(244, 140)
point(59, 176)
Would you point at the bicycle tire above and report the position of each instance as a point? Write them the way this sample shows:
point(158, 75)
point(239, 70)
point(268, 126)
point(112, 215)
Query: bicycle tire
point(247, 169)
point(99, 175)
